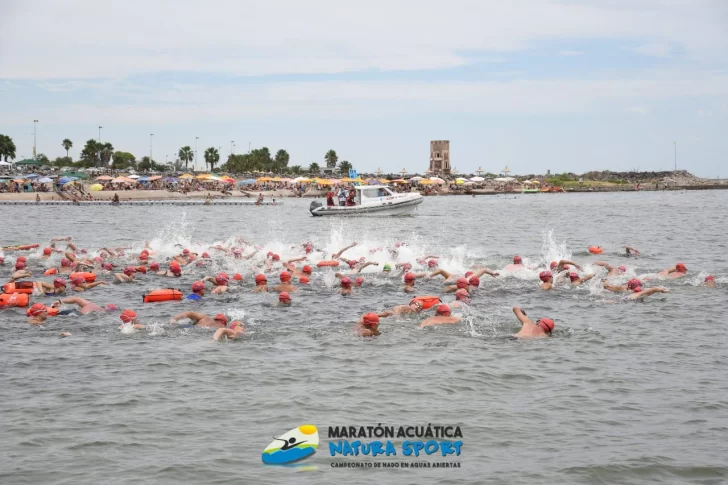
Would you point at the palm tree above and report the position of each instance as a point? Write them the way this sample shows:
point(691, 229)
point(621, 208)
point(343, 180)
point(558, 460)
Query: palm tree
point(281, 160)
point(344, 167)
point(331, 159)
point(314, 168)
point(295, 169)
point(67, 144)
point(186, 155)
point(212, 157)
point(7, 148)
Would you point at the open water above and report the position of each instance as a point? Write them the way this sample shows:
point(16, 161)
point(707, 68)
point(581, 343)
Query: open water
point(629, 393)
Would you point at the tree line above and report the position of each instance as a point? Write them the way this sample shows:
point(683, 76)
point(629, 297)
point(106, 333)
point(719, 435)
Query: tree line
point(95, 154)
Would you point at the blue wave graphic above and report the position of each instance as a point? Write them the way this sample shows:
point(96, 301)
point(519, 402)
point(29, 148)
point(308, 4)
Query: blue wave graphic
point(281, 457)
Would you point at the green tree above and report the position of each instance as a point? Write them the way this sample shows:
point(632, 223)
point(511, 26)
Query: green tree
point(314, 168)
point(63, 162)
point(7, 148)
point(66, 144)
point(145, 165)
point(107, 151)
point(212, 157)
point(295, 169)
point(90, 155)
point(281, 160)
point(331, 159)
point(124, 160)
point(344, 167)
point(43, 159)
point(186, 155)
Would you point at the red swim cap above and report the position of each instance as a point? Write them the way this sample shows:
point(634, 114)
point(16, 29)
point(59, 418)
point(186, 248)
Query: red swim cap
point(205, 255)
point(573, 276)
point(110, 307)
point(553, 264)
point(22, 259)
point(370, 319)
point(285, 276)
point(154, 266)
point(545, 276)
point(198, 286)
point(236, 324)
point(143, 257)
point(304, 280)
point(78, 280)
point(284, 297)
point(517, 260)
point(107, 266)
point(2, 260)
point(352, 263)
point(710, 278)
point(174, 267)
point(358, 281)
point(633, 283)
point(83, 251)
point(407, 266)
point(432, 263)
point(443, 310)
point(622, 269)
point(48, 272)
point(546, 324)
point(144, 251)
point(185, 251)
point(269, 254)
point(345, 282)
point(307, 269)
point(462, 283)
point(129, 270)
point(222, 279)
point(59, 282)
point(99, 259)
point(47, 251)
point(19, 265)
point(276, 257)
point(36, 310)
point(474, 281)
point(238, 277)
point(462, 294)
point(127, 316)
point(681, 268)
point(468, 274)
point(65, 262)
point(409, 277)
point(221, 318)
point(637, 289)
point(309, 248)
point(260, 278)
point(141, 269)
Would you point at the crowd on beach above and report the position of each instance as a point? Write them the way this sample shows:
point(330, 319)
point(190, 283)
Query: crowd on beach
point(58, 279)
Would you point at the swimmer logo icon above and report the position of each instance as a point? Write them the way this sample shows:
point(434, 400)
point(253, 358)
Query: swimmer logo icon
point(294, 445)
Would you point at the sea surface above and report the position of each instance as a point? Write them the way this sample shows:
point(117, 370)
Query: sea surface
point(629, 393)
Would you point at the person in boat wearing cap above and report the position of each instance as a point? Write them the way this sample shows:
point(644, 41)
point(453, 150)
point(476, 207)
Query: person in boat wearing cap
point(126, 277)
point(78, 283)
point(175, 270)
point(576, 280)
point(284, 298)
point(37, 314)
point(709, 281)
point(368, 325)
point(677, 271)
point(129, 317)
point(236, 330)
point(540, 329)
point(261, 284)
point(611, 270)
point(84, 306)
point(443, 316)
point(285, 285)
point(219, 281)
point(202, 320)
point(198, 291)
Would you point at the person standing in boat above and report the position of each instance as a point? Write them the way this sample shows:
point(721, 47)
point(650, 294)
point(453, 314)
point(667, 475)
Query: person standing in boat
point(350, 199)
point(342, 197)
point(330, 199)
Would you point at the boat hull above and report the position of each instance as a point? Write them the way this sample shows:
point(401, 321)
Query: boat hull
point(385, 209)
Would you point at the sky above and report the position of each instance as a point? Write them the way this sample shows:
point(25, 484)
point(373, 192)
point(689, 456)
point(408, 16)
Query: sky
point(535, 85)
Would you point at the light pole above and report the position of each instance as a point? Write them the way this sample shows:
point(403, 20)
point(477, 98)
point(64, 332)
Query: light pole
point(150, 149)
point(35, 123)
point(232, 148)
point(100, 134)
point(197, 144)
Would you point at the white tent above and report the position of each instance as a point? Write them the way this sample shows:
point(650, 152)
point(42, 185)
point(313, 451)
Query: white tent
point(477, 179)
point(504, 179)
point(5, 164)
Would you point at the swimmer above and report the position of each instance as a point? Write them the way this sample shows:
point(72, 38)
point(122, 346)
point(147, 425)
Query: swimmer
point(677, 271)
point(202, 320)
point(461, 284)
point(285, 285)
point(20, 272)
point(517, 264)
point(368, 325)
point(639, 293)
point(612, 270)
point(220, 283)
point(126, 277)
point(261, 284)
point(409, 283)
point(346, 286)
point(430, 261)
point(175, 270)
point(576, 281)
point(41, 288)
point(709, 281)
point(79, 284)
point(305, 271)
point(462, 298)
point(563, 265)
point(547, 278)
point(85, 306)
point(37, 314)
point(129, 317)
point(185, 257)
point(284, 299)
point(154, 266)
point(414, 307)
point(341, 251)
point(629, 286)
point(198, 291)
point(443, 316)
point(529, 330)
point(237, 329)
point(630, 251)
point(357, 282)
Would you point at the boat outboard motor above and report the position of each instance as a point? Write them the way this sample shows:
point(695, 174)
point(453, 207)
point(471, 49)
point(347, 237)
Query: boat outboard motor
point(314, 205)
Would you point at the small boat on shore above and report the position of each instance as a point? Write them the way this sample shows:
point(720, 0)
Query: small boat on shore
point(371, 200)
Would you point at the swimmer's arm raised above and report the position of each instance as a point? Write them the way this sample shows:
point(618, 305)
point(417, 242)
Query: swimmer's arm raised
point(521, 315)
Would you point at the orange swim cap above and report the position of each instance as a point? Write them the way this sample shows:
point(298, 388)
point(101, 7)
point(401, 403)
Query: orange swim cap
point(546, 324)
point(443, 310)
point(221, 318)
point(141, 269)
point(681, 268)
point(307, 269)
point(59, 282)
point(47, 251)
point(409, 277)
point(174, 267)
point(127, 316)
point(154, 266)
point(284, 297)
point(345, 282)
point(36, 310)
point(198, 286)
point(238, 277)
point(370, 319)
point(462, 283)
point(260, 278)
point(304, 280)
point(285, 276)
point(221, 279)
point(474, 281)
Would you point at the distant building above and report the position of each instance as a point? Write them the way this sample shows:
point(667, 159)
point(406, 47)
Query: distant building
point(440, 157)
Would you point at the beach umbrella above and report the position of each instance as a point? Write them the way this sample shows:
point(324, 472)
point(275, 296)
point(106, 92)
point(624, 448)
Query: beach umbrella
point(276, 179)
point(5, 164)
point(143, 179)
point(416, 178)
point(135, 176)
point(305, 180)
point(154, 177)
point(477, 179)
point(264, 179)
point(96, 187)
point(104, 177)
point(347, 179)
point(399, 181)
point(460, 181)
point(169, 180)
point(65, 180)
point(535, 182)
point(45, 180)
point(20, 181)
point(286, 180)
point(426, 182)
point(186, 176)
point(469, 183)
point(228, 180)
point(437, 180)
point(324, 182)
point(32, 176)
